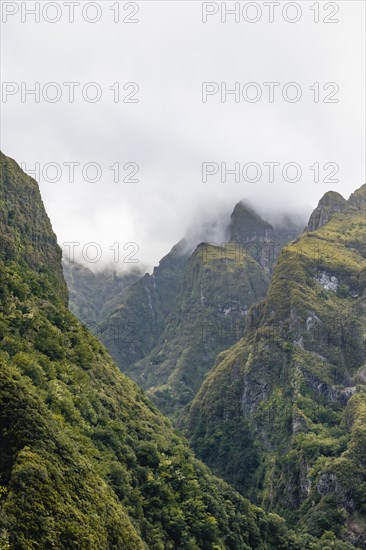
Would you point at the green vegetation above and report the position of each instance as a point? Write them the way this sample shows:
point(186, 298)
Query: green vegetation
point(190, 309)
point(179, 319)
point(295, 385)
point(216, 290)
point(132, 322)
point(92, 296)
point(85, 460)
point(330, 203)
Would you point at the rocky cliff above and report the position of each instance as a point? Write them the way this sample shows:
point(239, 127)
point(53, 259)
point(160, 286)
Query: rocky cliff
point(282, 414)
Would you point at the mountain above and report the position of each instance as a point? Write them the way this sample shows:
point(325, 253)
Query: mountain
point(92, 295)
point(246, 225)
point(136, 318)
point(258, 238)
point(168, 327)
point(330, 203)
point(217, 287)
point(85, 460)
point(282, 415)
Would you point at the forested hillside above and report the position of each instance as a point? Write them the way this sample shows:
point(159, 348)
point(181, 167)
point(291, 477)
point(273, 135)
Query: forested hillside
point(86, 461)
point(282, 416)
point(92, 295)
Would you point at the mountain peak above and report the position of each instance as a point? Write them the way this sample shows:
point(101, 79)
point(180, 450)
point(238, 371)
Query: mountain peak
point(330, 203)
point(358, 197)
point(246, 224)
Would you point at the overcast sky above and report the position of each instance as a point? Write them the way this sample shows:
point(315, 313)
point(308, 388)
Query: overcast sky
point(170, 131)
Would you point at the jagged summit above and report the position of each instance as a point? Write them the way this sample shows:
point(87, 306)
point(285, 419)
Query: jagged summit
point(358, 198)
point(330, 203)
point(247, 225)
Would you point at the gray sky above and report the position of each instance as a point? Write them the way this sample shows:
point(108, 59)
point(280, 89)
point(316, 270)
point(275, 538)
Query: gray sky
point(170, 131)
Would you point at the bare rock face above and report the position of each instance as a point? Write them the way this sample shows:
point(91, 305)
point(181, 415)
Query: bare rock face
point(358, 198)
point(258, 238)
point(246, 225)
point(329, 204)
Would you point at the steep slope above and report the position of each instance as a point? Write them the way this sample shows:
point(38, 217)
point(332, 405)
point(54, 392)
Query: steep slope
point(28, 238)
point(207, 307)
point(85, 460)
point(137, 317)
point(92, 296)
point(218, 286)
point(282, 414)
point(246, 225)
point(258, 238)
point(330, 203)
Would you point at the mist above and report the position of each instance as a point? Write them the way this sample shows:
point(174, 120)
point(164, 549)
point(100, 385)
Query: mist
point(139, 169)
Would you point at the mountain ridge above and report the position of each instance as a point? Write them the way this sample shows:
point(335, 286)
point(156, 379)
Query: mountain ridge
point(81, 441)
point(86, 460)
point(291, 383)
point(167, 327)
